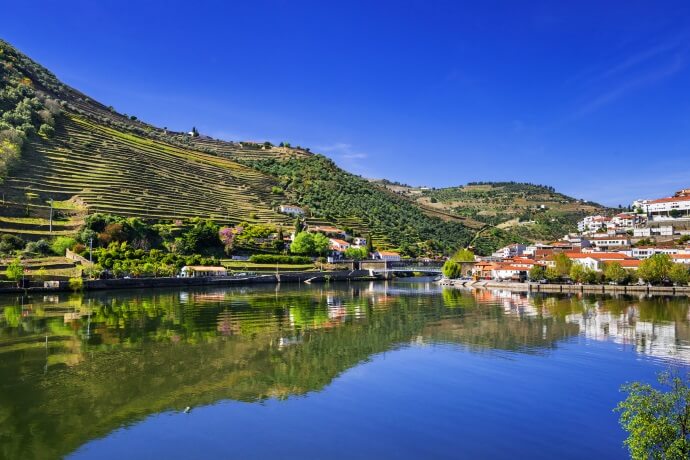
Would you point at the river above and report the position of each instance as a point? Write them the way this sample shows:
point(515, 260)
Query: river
point(401, 369)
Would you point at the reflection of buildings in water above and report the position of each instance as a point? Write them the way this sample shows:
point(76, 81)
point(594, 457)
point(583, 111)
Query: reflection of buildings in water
point(655, 339)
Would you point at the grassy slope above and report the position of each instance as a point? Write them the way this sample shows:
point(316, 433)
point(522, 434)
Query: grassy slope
point(516, 207)
point(101, 160)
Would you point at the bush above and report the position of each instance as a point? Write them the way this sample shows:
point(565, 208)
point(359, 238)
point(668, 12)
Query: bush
point(38, 248)
point(10, 243)
point(76, 284)
point(279, 259)
point(61, 244)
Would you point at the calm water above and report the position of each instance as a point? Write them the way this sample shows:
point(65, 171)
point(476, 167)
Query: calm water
point(372, 370)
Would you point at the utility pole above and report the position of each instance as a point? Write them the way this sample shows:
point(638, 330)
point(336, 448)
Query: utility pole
point(51, 216)
point(90, 250)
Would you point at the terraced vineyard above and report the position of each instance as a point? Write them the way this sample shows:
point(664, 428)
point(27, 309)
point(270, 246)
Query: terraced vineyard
point(117, 172)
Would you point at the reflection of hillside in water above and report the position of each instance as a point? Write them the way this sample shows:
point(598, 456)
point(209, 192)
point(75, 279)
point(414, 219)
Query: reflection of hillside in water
point(109, 359)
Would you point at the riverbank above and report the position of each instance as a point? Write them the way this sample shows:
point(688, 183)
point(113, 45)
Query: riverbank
point(570, 288)
point(154, 283)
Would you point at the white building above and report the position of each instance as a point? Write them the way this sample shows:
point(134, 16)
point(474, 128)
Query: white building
point(610, 242)
point(512, 250)
point(387, 255)
point(359, 242)
point(291, 210)
point(648, 251)
point(200, 271)
point(338, 244)
point(674, 207)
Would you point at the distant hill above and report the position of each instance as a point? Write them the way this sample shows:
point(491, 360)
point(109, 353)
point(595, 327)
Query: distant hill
point(60, 145)
point(528, 210)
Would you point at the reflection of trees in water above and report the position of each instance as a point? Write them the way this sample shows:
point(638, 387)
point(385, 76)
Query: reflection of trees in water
point(131, 355)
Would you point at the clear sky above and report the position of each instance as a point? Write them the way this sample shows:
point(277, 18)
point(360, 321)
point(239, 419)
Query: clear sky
point(592, 97)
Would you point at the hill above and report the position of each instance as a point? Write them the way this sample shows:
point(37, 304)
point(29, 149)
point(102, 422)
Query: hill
point(61, 147)
point(528, 210)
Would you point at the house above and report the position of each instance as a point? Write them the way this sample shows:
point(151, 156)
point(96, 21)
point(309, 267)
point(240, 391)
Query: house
point(511, 250)
point(676, 206)
point(338, 245)
point(610, 242)
point(291, 210)
point(681, 259)
point(327, 230)
point(661, 230)
point(388, 256)
point(508, 271)
point(359, 242)
point(645, 252)
point(200, 271)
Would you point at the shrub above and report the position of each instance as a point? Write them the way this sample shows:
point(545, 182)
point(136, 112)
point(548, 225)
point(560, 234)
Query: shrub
point(15, 270)
point(38, 248)
point(10, 243)
point(76, 284)
point(279, 259)
point(451, 269)
point(61, 244)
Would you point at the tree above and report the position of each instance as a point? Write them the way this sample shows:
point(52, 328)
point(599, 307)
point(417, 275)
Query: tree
point(321, 244)
point(463, 255)
point(658, 422)
point(370, 246)
point(578, 273)
point(551, 274)
point(61, 244)
point(15, 271)
point(356, 253)
point(563, 264)
point(303, 244)
point(451, 269)
point(536, 273)
point(656, 268)
point(679, 274)
point(614, 272)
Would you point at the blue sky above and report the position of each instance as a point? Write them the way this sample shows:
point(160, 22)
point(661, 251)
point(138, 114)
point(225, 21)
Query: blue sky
point(591, 97)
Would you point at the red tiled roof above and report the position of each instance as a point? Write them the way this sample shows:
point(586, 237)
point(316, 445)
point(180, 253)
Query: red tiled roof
point(670, 199)
point(597, 255)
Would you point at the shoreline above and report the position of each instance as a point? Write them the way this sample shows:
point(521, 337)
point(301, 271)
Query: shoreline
point(156, 283)
point(569, 288)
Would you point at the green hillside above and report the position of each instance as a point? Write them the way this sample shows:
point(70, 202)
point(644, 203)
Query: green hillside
point(60, 146)
point(527, 210)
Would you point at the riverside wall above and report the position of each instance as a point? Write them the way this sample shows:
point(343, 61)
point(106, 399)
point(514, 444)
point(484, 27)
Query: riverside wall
point(571, 288)
point(154, 283)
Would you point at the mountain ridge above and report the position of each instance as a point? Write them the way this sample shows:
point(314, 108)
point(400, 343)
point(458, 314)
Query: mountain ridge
point(85, 157)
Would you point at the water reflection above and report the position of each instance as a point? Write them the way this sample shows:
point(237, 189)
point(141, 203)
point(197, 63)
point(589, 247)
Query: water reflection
point(73, 368)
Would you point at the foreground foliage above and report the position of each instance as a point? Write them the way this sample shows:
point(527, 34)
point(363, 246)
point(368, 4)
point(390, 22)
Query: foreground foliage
point(658, 422)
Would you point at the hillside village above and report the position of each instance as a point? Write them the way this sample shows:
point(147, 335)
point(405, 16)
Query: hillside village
point(609, 248)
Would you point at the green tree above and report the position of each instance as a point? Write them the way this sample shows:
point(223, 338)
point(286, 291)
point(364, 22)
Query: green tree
point(551, 274)
point(578, 273)
point(60, 245)
point(614, 272)
point(321, 244)
point(15, 271)
point(656, 268)
point(536, 273)
point(451, 269)
point(563, 264)
point(76, 283)
point(679, 274)
point(356, 253)
point(463, 255)
point(658, 422)
point(303, 244)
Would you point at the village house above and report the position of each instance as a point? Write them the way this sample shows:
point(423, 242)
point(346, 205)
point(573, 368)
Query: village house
point(327, 230)
point(511, 250)
point(507, 271)
point(610, 242)
point(359, 242)
point(291, 210)
point(338, 245)
point(387, 256)
point(674, 207)
point(200, 271)
point(593, 260)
